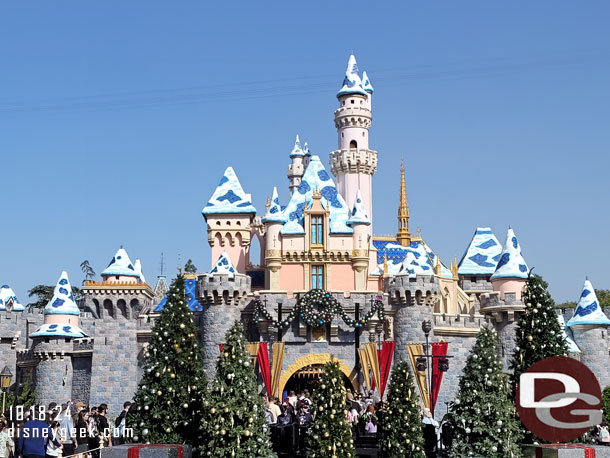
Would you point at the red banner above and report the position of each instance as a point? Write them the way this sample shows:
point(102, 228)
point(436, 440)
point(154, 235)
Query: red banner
point(385, 362)
point(134, 452)
point(588, 451)
point(438, 349)
point(221, 347)
point(263, 366)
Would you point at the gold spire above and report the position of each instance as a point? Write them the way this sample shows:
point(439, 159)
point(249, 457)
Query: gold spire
point(385, 264)
point(454, 268)
point(403, 236)
point(437, 268)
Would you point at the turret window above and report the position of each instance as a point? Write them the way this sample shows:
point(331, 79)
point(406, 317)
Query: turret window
point(317, 277)
point(353, 144)
point(317, 230)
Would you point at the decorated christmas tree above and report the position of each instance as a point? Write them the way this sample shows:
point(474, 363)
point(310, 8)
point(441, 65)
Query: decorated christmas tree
point(329, 435)
point(234, 421)
point(400, 432)
point(538, 333)
point(170, 395)
point(483, 416)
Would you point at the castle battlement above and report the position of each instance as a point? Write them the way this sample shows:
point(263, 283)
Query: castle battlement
point(223, 288)
point(413, 290)
point(500, 306)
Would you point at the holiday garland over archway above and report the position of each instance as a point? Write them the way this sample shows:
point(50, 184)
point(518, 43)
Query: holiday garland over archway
point(318, 308)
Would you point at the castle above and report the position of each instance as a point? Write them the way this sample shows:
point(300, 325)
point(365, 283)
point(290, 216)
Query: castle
point(322, 238)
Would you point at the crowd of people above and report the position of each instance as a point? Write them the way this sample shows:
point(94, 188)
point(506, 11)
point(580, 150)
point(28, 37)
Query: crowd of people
point(72, 429)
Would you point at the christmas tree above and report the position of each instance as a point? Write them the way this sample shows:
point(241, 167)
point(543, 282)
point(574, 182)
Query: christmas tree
point(483, 416)
point(538, 333)
point(170, 395)
point(234, 421)
point(400, 432)
point(329, 435)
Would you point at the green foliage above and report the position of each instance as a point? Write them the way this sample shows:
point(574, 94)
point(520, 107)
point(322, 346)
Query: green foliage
point(538, 334)
point(190, 268)
point(44, 293)
point(26, 397)
point(329, 435)
point(483, 415)
point(603, 296)
point(234, 419)
point(400, 429)
point(169, 398)
point(606, 402)
point(87, 270)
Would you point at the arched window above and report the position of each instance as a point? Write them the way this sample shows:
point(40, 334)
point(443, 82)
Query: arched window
point(108, 308)
point(353, 144)
point(98, 312)
point(122, 306)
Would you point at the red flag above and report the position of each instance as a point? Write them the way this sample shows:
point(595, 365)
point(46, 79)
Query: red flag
point(438, 349)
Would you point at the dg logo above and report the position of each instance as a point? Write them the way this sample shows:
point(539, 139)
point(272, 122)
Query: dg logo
point(559, 399)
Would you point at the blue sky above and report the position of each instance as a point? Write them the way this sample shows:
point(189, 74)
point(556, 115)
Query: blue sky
point(117, 120)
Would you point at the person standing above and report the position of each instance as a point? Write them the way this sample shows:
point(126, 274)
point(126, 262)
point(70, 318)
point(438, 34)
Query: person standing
point(82, 431)
point(103, 426)
point(53, 442)
point(66, 430)
point(121, 422)
point(32, 438)
point(6, 441)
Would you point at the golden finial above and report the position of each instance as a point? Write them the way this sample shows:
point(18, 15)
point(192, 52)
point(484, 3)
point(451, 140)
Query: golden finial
point(268, 203)
point(316, 194)
point(438, 266)
point(385, 264)
point(403, 236)
point(454, 268)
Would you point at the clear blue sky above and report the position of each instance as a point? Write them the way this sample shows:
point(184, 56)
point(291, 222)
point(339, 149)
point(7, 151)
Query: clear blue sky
point(117, 120)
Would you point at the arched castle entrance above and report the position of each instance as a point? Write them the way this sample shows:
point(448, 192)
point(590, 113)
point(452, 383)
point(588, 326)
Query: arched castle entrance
point(315, 360)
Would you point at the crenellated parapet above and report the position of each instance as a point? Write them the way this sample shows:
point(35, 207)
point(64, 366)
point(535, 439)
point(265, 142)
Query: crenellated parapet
point(501, 306)
point(216, 289)
point(413, 290)
point(345, 161)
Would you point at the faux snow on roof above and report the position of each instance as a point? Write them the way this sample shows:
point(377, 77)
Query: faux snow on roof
point(274, 212)
point(352, 84)
point(567, 333)
point(358, 215)
point(306, 149)
point(482, 255)
point(138, 267)
point(191, 299)
point(296, 149)
point(121, 265)
point(511, 263)
point(58, 330)
point(62, 302)
point(415, 266)
point(366, 83)
point(223, 265)
point(8, 298)
point(229, 197)
point(588, 311)
point(316, 177)
point(397, 255)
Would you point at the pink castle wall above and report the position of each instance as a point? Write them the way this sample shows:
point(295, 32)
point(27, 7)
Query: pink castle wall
point(340, 277)
point(291, 277)
point(508, 285)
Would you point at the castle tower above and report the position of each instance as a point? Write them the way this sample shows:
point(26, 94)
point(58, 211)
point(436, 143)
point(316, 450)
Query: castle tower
point(229, 214)
point(479, 261)
point(589, 327)
point(52, 344)
point(353, 163)
point(8, 300)
point(221, 294)
point(360, 259)
point(273, 220)
point(403, 236)
point(504, 304)
point(297, 166)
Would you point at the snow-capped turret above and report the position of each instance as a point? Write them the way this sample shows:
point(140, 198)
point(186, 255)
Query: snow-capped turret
point(352, 84)
point(120, 266)
point(61, 313)
point(511, 263)
point(572, 347)
point(229, 197)
point(8, 300)
point(297, 165)
point(274, 213)
point(588, 310)
point(223, 266)
point(482, 255)
point(297, 150)
point(358, 215)
point(366, 83)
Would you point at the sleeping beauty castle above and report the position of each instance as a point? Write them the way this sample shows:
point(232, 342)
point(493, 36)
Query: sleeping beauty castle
point(325, 286)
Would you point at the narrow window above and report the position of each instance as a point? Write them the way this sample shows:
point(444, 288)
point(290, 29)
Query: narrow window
point(317, 277)
point(317, 230)
point(353, 144)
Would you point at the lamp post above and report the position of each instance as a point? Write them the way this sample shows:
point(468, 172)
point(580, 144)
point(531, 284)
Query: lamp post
point(422, 364)
point(5, 381)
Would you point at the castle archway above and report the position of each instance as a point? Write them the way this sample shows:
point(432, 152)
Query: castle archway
point(315, 360)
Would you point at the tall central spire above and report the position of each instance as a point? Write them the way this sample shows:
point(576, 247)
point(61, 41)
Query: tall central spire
point(403, 236)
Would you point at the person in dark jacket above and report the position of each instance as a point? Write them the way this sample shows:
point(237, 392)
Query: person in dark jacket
point(32, 438)
point(121, 422)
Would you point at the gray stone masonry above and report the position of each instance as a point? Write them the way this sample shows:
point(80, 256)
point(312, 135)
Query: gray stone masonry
point(475, 283)
point(54, 370)
point(593, 344)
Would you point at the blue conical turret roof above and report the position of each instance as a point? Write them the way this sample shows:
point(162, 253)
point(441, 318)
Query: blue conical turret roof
point(8, 298)
point(567, 333)
point(297, 150)
point(62, 302)
point(588, 310)
point(229, 197)
point(138, 267)
point(352, 84)
point(274, 212)
point(223, 266)
point(358, 215)
point(366, 83)
point(120, 264)
point(482, 255)
point(511, 263)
